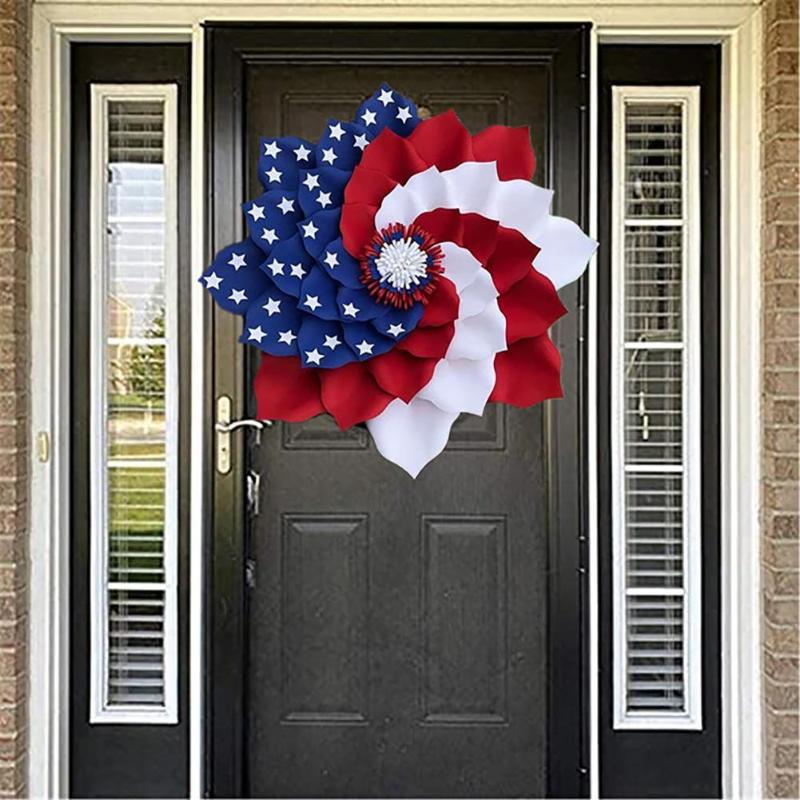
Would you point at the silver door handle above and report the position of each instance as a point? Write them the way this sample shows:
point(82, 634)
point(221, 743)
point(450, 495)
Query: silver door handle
point(224, 425)
point(258, 424)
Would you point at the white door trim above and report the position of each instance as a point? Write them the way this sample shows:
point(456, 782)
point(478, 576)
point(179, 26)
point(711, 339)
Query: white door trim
point(55, 24)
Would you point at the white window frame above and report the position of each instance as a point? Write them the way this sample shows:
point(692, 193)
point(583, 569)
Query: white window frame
point(99, 709)
point(688, 97)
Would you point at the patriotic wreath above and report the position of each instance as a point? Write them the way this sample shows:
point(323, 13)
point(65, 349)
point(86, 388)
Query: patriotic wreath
point(400, 272)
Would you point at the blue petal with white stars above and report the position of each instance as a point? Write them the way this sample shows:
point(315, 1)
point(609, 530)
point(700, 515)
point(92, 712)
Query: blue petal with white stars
point(321, 188)
point(398, 322)
point(234, 279)
point(324, 340)
point(288, 264)
point(280, 161)
point(365, 341)
point(272, 323)
point(340, 146)
point(387, 109)
point(340, 265)
point(271, 218)
point(294, 254)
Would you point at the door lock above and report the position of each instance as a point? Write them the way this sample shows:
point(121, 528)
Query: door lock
point(225, 425)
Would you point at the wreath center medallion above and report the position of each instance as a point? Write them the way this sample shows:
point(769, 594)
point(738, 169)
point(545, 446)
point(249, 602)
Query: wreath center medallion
point(401, 265)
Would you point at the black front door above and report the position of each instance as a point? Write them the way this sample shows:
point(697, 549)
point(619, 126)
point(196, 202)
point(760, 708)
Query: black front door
point(376, 636)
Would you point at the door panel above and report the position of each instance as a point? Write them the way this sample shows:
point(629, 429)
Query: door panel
point(398, 638)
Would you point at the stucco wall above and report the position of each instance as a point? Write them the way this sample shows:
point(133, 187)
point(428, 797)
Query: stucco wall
point(780, 404)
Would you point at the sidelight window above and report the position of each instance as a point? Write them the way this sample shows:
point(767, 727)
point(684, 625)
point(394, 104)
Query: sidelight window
point(134, 404)
point(656, 478)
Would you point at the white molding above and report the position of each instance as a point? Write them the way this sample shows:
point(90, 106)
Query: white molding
point(199, 424)
point(740, 430)
point(735, 25)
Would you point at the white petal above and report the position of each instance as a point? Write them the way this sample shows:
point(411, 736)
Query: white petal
point(460, 266)
point(565, 251)
point(410, 435)
point(474, 187)
point(479, 336)
point(460, 385)
point(477, 295)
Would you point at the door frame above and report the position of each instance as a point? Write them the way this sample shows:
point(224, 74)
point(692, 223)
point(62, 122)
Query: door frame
point(55, 25)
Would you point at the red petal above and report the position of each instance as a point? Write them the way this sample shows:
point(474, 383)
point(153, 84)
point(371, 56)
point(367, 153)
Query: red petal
point(530, 307)
point(442, 306)
point(357, 225)
point(443, 224)
point(351, 395)
point(428, 342)
point(401, 374)
point(285, 390)
point(393, 156)
point(511, 260)
point(509, 147)
point(479, 236)
point(527, 373)
point(367, 186)
point(442, 141)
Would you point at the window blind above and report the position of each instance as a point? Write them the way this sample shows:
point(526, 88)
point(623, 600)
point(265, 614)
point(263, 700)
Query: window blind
point(134, 532)
point(656, 394)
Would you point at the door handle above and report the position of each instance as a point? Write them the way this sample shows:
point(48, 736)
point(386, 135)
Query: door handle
point(224, 426)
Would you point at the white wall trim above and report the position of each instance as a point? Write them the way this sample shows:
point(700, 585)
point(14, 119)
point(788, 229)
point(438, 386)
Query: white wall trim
point(55, 24)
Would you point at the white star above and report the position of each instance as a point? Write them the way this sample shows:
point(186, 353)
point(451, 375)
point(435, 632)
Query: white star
point(312, 301)
point(331, 259)
point(324, 199)
point(403, 114)
point(332, 342)
point(286, 205)
point(314, 356)
point(311, 181)
point(365, 347)
point(350, 310)
point(368, 117)
point(396, 330)
point(271, 149)
point(385, 97)
point(328, 156)
point(297, 270)
point(269, 235)
point(287, 337)
point(336, 131)
point(302, 153)
point(360, 141)
point(237, 260)
point(238, 296)
point(256, 212)
point(310, 230)
point(276, 266)
point(212, 281)
point(273, 306)
point(274, 175)
point(256, 334)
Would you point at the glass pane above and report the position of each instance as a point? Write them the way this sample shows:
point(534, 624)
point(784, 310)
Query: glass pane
point(655, 671)
point(137, 429)
point(653, 155)
point(653, 284)
point(653, 406)
point(654, 526)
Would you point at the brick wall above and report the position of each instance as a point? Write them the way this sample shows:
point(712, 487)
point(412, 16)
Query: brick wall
point(780, 406)
point(14, 436)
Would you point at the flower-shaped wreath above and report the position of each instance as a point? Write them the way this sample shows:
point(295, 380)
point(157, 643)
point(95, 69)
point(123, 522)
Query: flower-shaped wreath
point(400, 272)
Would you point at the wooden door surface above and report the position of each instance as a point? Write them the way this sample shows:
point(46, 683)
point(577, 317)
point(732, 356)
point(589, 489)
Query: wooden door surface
point(399, 637)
